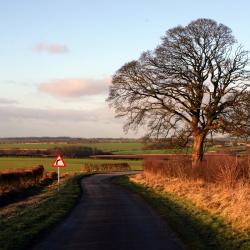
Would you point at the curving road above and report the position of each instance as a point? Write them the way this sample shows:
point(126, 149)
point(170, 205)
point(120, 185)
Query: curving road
point(110, 218)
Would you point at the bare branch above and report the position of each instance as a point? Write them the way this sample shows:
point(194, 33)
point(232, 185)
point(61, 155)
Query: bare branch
point(196, 79)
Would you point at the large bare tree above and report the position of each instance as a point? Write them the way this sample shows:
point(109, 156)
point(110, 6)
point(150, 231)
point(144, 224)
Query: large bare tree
point(193, 83)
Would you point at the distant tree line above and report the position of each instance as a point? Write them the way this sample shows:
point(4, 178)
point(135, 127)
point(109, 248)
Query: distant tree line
point(66, 151)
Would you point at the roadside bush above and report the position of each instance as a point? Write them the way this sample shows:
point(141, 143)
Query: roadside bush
point(224, 169)
point(49, 177)
point(106, 167)
point(171, 166)
point(11, 180)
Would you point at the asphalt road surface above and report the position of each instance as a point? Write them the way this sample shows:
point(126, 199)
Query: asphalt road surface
point(109, 217)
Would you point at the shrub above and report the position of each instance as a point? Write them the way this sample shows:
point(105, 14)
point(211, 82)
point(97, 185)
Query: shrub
point(224, 169)
point(76, 151)
point(106, 167)
point(171, 166)
point(20, 178)
point(50, 175)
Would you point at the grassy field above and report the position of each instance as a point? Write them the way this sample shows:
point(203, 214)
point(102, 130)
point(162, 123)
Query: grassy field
point(72, 165)
point(113, 147)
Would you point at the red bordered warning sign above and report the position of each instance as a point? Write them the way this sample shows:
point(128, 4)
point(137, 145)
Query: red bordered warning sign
point(59, 162)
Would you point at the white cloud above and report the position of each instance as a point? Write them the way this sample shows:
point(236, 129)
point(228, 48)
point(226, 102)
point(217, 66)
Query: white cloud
point(54, 48)
point(75, 87)
point(53, 115)
point(102, 115)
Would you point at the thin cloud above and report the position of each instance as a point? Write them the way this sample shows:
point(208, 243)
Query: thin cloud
point(54, 48)
point(8, 112)
point(7, 101)
point(24, 121)
point(74, 87)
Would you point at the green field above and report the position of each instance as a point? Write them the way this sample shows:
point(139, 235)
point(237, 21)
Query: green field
point(112, 147)
point(73, 165)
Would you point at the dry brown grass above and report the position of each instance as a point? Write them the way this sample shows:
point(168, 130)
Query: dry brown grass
point(220, 186)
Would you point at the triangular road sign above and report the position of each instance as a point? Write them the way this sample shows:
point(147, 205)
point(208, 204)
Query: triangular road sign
point(59, 162)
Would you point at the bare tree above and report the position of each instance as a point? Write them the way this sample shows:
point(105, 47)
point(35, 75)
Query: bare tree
point(193, 83)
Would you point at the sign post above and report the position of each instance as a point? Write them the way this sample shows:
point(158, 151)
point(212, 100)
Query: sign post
point(59, 163)
point(58, 177)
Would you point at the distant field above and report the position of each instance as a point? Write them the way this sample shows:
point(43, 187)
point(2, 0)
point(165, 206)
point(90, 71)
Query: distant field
point(28, 145)
point(113, 147)
point(105, 146)
point(73, 165)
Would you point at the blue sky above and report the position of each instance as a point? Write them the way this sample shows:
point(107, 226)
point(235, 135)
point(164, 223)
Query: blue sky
point(57, 57)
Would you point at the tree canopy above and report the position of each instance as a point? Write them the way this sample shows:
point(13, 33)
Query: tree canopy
point(194, 82)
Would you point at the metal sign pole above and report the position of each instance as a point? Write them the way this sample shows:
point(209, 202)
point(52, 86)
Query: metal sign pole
point(58, 163)
point(58, 177)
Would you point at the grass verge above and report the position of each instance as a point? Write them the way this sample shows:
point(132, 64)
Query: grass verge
point(22, 229)
point(197, 228)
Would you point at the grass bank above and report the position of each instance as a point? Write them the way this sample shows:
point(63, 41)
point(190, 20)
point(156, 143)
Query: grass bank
point(197, 228)
point(23, 228)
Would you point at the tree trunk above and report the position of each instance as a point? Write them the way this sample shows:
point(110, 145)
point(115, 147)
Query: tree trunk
point(197, 154)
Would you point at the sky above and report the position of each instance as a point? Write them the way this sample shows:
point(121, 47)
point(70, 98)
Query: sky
point(57, 57)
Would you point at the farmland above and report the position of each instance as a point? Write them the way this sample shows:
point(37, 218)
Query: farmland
point(113, 147)
point(73, 165)
point(132, 147)
point(169, 173)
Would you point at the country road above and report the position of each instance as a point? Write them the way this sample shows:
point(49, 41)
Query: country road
point(109, 217)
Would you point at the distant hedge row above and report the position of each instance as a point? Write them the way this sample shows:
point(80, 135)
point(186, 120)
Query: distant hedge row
point(76, 151)
point(16, 180)
point(66, 151)
point(20, 178)
point(106, 167)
